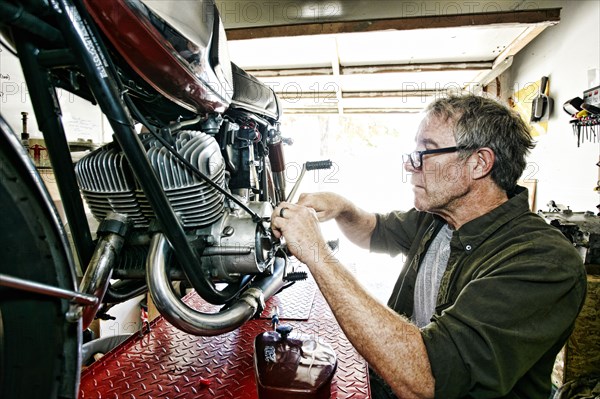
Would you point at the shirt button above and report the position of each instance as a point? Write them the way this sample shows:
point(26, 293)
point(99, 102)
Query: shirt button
point(468, 247)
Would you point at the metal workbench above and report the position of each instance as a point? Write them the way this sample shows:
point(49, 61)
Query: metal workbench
point(168, 363)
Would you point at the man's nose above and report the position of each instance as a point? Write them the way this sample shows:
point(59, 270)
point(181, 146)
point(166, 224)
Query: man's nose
point(407, 165)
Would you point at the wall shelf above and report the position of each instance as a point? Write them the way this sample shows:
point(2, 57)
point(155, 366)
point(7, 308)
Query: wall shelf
point(586, 129)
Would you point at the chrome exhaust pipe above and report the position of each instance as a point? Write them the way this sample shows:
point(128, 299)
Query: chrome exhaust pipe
point(198, 323)
point(97, 276)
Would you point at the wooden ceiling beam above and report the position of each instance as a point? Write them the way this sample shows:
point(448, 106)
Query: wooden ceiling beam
point(548, 17)
point(417, 67)
point(395, 94)
point(371, 69)
point(289, 72)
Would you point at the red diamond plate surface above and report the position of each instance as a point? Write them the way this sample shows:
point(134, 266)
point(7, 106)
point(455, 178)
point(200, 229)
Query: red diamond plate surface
point(168, 363)
point(294, 303)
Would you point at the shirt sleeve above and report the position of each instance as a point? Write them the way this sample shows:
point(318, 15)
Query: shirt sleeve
point(395, 231)
point(502, 323)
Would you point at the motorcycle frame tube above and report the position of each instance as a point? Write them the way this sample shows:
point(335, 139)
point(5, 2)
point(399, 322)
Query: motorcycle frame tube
point(93, 60)
point(48, 116)
point(199, 323)
point(18, 16)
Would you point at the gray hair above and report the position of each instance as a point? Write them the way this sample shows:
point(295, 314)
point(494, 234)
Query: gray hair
point(485, 122)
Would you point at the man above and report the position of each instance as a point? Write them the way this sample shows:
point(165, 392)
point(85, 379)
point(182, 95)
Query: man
point(489, 292)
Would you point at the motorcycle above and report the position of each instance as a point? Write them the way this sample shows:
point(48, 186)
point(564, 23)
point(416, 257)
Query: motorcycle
point(184, 192)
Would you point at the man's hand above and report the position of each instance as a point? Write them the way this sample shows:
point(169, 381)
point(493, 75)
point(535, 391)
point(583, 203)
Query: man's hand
point(326, 205)
point(299, 225)
point(356, 224)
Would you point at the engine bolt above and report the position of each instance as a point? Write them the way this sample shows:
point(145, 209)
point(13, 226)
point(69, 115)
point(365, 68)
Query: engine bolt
point(228, 231)
point(74, 314)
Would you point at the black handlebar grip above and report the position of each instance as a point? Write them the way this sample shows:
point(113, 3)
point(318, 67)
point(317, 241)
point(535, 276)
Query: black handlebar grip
point(319, 165)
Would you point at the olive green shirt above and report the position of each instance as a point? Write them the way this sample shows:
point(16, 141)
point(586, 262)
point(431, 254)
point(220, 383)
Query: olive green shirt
point(507, 301)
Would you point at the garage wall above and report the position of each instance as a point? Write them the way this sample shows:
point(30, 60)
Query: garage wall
point(564, 53)
point(82, 120)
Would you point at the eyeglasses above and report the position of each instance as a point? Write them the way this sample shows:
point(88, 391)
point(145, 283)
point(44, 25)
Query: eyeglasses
point(416, 157)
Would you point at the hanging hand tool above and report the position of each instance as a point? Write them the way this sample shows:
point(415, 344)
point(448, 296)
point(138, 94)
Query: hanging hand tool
point(541, 105)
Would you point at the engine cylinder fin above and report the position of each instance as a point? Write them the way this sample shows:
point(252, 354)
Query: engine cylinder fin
point(108, 185)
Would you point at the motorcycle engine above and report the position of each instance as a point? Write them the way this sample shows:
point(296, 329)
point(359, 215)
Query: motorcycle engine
point(235, 245)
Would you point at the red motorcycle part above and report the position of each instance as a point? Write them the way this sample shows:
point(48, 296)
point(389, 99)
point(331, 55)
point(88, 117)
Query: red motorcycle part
point(184, 74)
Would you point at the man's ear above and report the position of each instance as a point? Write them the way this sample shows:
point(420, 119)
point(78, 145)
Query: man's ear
point(484, 162)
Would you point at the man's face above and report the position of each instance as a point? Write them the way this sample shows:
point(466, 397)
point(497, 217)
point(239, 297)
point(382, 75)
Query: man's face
point(443, 179)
